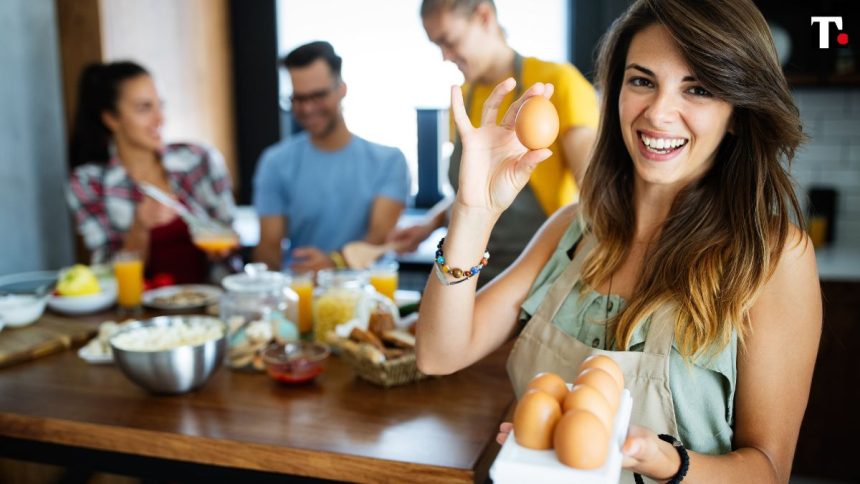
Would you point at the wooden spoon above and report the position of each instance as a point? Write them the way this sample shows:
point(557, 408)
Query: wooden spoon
point(362, 255)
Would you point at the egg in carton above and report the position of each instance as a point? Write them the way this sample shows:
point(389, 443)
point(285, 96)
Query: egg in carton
point(565, 432)
point(517, 464)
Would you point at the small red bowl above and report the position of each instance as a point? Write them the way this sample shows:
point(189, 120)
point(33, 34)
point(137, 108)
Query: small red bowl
point(295, 362)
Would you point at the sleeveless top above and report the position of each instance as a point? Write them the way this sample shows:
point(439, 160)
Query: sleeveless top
point(702, 390)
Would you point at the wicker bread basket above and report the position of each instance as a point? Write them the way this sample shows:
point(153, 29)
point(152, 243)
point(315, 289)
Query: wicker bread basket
point(398, 371)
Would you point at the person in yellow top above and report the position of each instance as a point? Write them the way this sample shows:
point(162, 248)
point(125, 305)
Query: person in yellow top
point(469, 35)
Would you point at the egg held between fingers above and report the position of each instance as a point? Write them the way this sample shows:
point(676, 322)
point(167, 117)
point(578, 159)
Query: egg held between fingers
point(535, 419)
point(537, 123)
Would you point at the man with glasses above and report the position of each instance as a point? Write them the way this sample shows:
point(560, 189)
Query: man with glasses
point(325, 186)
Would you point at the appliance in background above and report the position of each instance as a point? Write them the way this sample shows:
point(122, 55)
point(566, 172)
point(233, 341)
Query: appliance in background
point(821, 215)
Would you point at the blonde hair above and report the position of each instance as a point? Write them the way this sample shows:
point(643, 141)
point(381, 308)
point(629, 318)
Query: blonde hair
point(725, 232)
point(466, 7)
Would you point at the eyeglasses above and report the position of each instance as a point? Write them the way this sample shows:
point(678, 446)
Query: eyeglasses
point(313, 97)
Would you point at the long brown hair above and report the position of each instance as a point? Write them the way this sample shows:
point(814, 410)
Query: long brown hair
point(725, 231)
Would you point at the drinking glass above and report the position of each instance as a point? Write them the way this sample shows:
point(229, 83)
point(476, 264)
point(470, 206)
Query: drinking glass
point(128, 270)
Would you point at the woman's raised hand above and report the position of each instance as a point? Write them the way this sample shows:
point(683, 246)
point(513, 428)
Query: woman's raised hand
point(494, 166)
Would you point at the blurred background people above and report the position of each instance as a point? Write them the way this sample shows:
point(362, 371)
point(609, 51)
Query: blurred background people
point(326, 186)
point(469, 35)
point(115, 146)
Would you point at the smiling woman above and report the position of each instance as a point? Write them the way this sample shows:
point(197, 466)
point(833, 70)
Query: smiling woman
point(682, 262)
point(116, 147)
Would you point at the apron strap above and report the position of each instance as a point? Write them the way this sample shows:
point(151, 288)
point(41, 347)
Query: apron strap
point(661, 330)
point(562, 286)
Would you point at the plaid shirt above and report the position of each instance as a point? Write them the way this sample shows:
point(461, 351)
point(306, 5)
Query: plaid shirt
point(103, 198)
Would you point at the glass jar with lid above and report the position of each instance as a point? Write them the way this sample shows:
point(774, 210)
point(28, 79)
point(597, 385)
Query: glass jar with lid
point(339, 291)
point(259, 307)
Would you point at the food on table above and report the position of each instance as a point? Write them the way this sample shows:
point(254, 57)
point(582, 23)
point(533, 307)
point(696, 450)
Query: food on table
point(333, 308)
point(550, 383)
point(584, 397)
point(535, 418)
point(581, 440)
point(602, 382)
point(363, 336)
point(537, 123)
point(606, 364)
point(161, 338)
point(99, 347)
point(246, 350)
point(183, 298)
point(399, 338)
point(380, 322)
point(295, 362)
point(78, 280)
point(377, 344)
point(578, 423)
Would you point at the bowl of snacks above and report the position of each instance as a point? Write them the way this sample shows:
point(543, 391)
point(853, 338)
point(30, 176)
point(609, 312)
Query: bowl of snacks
point(170, 354)
point(380, 352)
point(295, 361)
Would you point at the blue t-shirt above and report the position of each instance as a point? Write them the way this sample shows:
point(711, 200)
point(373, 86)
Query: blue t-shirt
point(327, 196)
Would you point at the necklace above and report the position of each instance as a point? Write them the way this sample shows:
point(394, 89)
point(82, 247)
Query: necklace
point(606, 344)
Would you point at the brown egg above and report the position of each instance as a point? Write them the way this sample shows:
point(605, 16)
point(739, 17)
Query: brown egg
point(602, 382)
point(584, 397)
point(606, 364)
point(535, 419)
point(537, 123)
point(550, 383)
point(580, 440)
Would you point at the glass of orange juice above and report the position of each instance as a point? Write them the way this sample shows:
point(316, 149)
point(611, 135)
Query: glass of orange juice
point(303, 284)
point(383, 277)
point(128, 270)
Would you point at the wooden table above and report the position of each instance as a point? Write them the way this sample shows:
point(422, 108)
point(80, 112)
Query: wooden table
point(338, 428)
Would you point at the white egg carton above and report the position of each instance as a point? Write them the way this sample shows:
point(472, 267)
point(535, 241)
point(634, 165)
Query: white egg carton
point(517, 464)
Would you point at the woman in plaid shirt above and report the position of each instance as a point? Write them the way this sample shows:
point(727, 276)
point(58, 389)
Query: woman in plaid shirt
point(115, 145)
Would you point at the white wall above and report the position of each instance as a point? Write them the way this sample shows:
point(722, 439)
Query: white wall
point(34, 221)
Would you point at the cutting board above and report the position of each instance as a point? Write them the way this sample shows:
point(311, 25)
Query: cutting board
point(49, 334)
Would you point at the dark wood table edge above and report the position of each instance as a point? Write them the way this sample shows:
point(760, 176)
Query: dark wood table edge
point(233, 454)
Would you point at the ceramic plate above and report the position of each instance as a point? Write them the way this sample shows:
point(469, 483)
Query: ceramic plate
point(182, 296)
point(86, 304)
point(94, 358)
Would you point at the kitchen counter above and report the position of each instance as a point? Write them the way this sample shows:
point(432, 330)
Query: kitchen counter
point(838, 263)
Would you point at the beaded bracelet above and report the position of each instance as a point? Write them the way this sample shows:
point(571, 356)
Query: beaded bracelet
point(460, 275)
point(682, 453)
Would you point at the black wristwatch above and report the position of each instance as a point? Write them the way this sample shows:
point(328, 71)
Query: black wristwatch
point(682, 453)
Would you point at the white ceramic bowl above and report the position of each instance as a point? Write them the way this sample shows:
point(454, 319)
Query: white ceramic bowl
point(17, 310)
point(92, 303)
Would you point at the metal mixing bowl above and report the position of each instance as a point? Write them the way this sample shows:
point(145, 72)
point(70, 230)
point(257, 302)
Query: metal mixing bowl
point(177, 370)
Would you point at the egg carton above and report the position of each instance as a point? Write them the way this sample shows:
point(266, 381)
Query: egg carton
point(517, 464)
